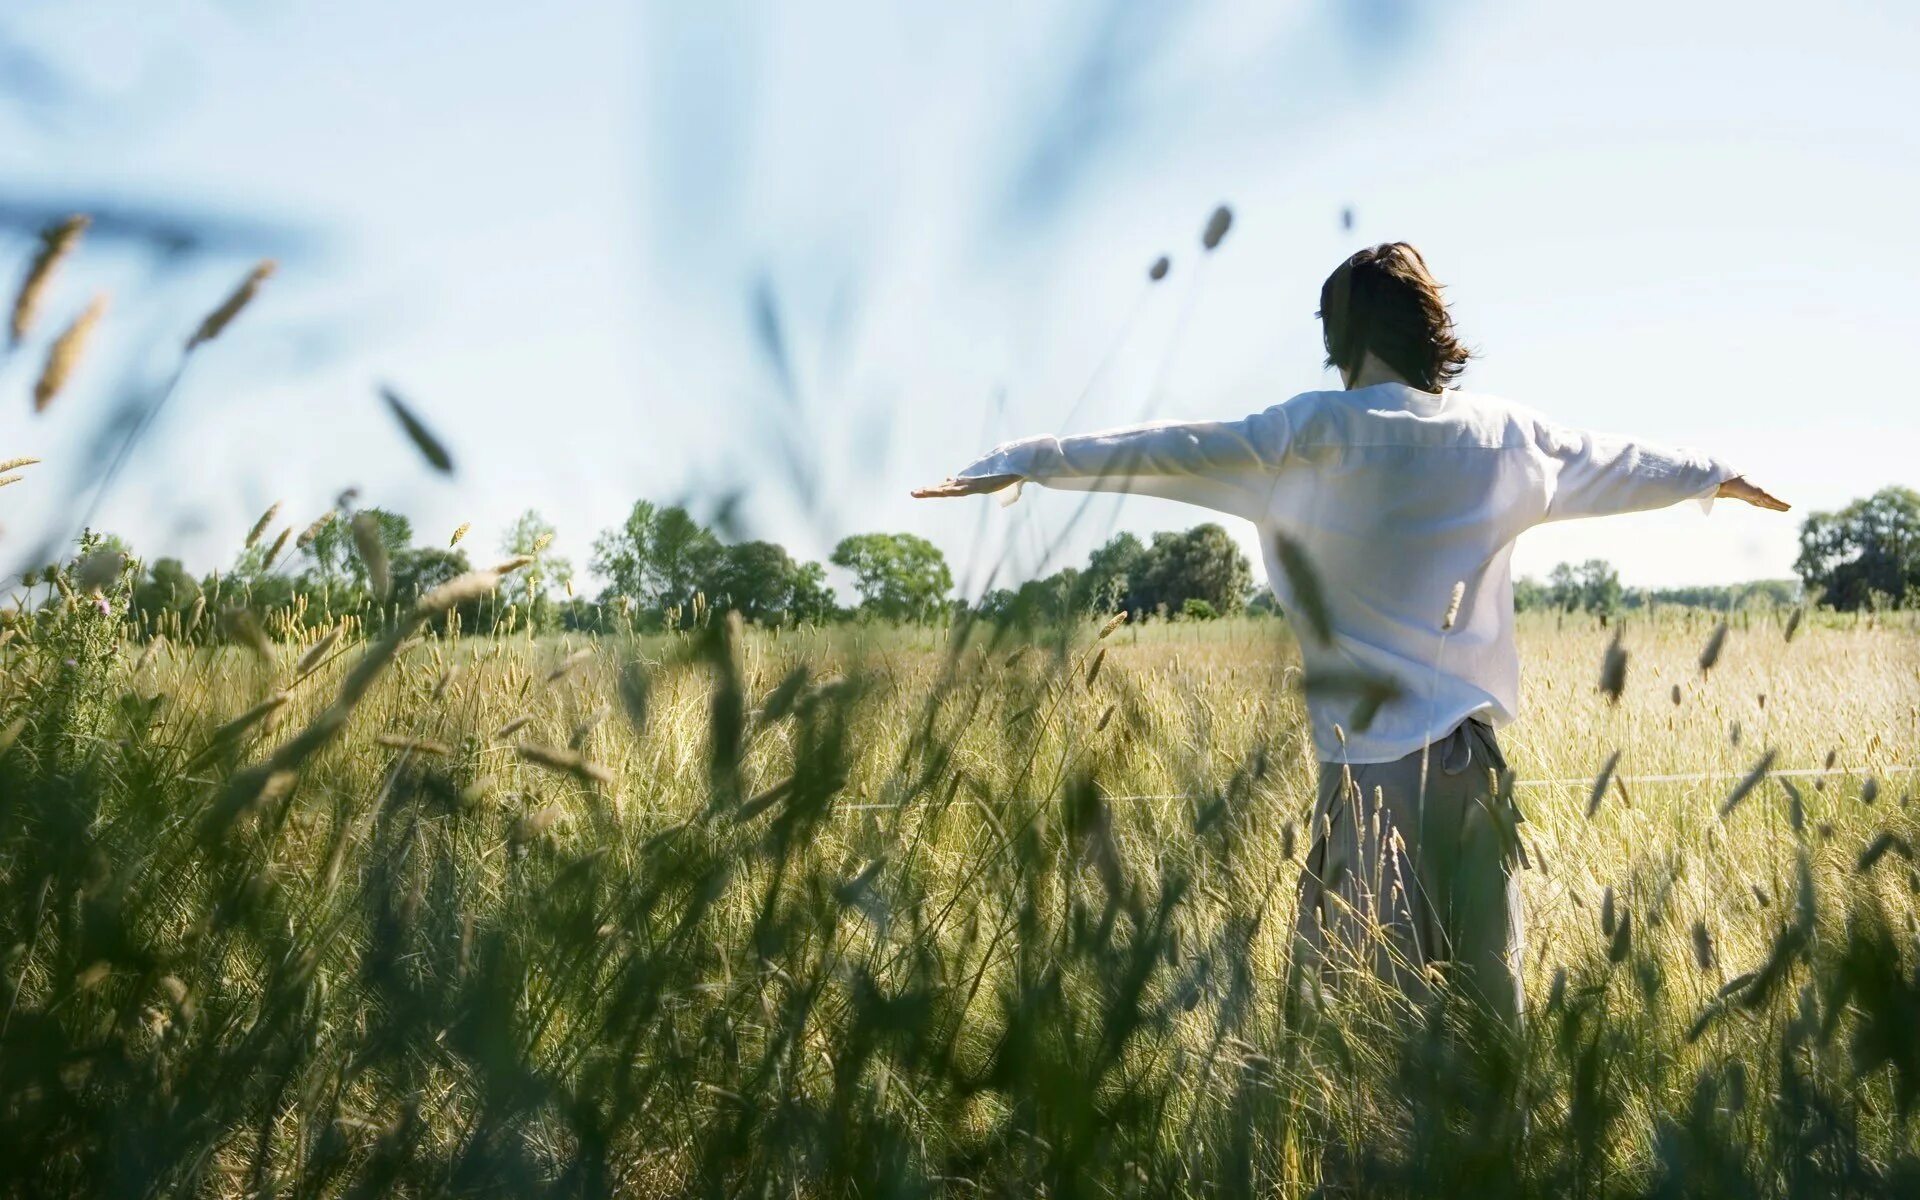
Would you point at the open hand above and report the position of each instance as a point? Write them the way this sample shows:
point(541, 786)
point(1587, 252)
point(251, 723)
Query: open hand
point(978, 485)
point(1738, 488)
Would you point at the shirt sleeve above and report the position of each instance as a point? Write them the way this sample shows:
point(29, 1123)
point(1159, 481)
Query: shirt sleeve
point(1597, 475)
point(1228, 466)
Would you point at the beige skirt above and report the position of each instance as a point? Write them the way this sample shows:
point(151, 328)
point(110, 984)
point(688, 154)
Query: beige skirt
point(1410, 874)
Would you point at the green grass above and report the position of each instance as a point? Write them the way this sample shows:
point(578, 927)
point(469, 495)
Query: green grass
point(891, 912)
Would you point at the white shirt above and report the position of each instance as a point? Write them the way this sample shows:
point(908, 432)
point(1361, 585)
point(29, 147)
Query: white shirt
point(1392, 495)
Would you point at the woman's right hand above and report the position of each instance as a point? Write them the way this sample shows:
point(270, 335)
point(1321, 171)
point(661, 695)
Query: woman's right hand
point(977, 485)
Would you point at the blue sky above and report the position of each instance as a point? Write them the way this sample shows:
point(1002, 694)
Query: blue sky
point(818, 253)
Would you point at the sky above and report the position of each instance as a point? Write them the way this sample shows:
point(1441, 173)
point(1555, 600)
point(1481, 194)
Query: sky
point(809, 255)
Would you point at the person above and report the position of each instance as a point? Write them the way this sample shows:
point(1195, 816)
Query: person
point(1387, 514)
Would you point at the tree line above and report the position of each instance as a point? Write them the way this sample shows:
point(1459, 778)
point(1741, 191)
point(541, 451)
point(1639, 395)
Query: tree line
point(663, 568)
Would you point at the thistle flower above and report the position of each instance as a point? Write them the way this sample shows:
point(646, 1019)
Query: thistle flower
point(98, 570)
point(64, 355)
point(56, 243)
point(217, 320)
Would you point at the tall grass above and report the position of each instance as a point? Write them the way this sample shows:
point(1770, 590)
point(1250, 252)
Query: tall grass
point(903, 912)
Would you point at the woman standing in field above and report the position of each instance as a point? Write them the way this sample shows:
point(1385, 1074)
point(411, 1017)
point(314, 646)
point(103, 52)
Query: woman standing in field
point(1387, 515)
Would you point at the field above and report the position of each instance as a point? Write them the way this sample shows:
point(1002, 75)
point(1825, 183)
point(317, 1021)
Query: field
point(893, 912)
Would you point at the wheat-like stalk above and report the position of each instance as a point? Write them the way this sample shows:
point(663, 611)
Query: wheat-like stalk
point(260, 526)
point(215, 322)
point(63, 357)
point(56, 243)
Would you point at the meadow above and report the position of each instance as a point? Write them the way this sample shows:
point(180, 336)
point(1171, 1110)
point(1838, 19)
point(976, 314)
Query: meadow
point(878, 911)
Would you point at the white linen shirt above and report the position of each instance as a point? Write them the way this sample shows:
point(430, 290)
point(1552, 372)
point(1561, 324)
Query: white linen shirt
point(1394, 495)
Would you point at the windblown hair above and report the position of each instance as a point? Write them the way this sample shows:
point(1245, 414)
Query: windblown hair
point(1385, 300)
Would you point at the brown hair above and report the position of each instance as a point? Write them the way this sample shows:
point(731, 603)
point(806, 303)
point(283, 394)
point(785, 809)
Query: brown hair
point(1385, 300)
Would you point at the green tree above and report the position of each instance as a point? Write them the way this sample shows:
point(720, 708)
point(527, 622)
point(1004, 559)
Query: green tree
point(1868, 553)
point(658, 557)
point(531, 586)
point(417, 570)
point(1203, 563)
point(1593, 586)
point(167, 588)
point(900, 576)
point(1115, 577)
point(756, 579)
point(332, 554)
point(812, 598)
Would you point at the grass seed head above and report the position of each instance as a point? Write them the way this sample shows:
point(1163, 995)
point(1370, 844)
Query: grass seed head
point(313, 531)
point(273, 551)
point(474, 585)
point(217, 321)
point(57, 241)
point(317, 652)
point(260, 526)
point(373, 552)
point(423, 440)
point(1217, 226)
point(1710, 654)
point(1613, 670)
point(63, 357)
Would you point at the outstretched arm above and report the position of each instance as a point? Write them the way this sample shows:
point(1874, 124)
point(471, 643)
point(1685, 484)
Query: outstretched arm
point(1224, 465)
point(1595, 475)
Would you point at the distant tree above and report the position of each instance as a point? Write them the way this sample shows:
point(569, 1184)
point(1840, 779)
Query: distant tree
point(1866, 554)
point(1203, 563)
point(167, 587)
point(417, 570)
point(1115, 578)
point(332, 553)
point(754, 579)
point(1196, 609)
point(900, 576)
point(1592, 586)
point(658, 557)
point(1529, 593)
point(531, 586)
point(1765, 593)
point(811, 598)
